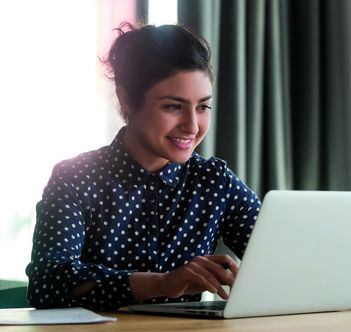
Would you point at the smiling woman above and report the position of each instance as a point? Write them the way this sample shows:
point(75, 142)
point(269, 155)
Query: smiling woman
point(172, 122)
point(139, 219)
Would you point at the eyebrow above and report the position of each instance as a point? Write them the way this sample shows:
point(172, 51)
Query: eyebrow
point(183, 100)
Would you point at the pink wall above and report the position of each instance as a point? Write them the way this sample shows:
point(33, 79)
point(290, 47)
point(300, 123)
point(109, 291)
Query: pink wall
point(110, 13)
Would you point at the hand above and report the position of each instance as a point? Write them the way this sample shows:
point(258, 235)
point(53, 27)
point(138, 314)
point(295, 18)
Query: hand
point(202, 273)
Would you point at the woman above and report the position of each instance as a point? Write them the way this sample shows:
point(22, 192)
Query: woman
point(139, 220)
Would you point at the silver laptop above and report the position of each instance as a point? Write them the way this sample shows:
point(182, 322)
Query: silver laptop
point(298, 260)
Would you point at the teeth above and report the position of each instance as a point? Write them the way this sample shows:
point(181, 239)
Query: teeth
point(182, 140)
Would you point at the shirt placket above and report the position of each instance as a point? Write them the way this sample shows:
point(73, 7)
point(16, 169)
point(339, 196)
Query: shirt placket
point(152, 223)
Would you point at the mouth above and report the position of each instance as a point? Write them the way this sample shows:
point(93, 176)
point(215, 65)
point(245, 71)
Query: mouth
point(181, 142)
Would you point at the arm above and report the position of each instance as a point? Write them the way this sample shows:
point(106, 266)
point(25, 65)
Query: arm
point(242, 208)
point(203, 273)
point(59, 276)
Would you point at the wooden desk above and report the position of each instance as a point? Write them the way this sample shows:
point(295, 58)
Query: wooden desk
point(130, 322)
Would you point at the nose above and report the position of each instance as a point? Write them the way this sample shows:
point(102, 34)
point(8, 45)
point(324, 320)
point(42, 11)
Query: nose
point(189, 122)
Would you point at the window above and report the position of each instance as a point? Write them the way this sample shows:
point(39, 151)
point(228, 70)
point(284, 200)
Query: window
point(55, 100)
point(163, 12)
point(55, 103)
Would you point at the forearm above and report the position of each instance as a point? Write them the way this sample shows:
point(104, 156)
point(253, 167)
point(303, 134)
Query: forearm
point(146, 285)
point(76, 284)
point(203, 273)
point(82, 288)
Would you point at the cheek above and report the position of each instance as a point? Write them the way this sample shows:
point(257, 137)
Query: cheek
point(143, 119)
point(157, 125)
point(164, 121)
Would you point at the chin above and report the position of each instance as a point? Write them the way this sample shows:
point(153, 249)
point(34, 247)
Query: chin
point(181, 160)
point(178, 156)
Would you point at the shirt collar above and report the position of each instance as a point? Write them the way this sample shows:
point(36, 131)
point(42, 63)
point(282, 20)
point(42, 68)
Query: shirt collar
point(131, 173)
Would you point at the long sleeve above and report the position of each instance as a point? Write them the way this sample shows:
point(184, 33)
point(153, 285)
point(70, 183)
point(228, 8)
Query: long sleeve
point(57, 262)
point(102, 217)
point(240, 214)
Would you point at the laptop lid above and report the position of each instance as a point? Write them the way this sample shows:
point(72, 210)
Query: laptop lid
point(297, 259)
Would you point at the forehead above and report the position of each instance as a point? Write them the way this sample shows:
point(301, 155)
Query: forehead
point(190, 85)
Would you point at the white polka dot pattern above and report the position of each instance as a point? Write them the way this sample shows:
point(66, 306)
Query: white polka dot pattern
point(103, 216)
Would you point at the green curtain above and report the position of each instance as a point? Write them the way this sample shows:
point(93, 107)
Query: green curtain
point(281, 113)
point(142, 11)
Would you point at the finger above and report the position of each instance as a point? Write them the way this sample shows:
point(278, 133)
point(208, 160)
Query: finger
point(206, 279)
point(224, 260)
point(199, 275)
point(216, 266)
point(222, 293)
point(192, 278)
point(234, 268)
point(221, 277)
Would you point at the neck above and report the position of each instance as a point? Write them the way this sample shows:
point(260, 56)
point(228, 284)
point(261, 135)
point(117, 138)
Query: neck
point(140, 153)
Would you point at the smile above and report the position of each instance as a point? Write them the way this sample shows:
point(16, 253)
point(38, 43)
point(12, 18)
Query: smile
point(183, 143)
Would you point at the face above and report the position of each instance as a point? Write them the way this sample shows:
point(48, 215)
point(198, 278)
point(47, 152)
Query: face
point(173, 120)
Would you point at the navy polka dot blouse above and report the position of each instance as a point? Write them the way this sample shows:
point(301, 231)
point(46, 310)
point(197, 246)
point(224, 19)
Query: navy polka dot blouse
point(102, 217)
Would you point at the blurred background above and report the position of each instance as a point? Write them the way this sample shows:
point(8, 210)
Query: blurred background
point(55, 100)
point(281, 115)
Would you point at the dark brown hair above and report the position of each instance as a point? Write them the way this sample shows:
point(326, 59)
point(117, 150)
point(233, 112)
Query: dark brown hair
point(141, 57)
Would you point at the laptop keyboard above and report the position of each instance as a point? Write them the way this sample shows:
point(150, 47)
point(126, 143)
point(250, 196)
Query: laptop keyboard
point(204, 305)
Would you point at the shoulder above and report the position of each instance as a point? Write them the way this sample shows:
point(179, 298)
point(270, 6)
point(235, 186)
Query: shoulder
point(215, 173)
point(82, 163)
point(213, 166)
point(196, 160)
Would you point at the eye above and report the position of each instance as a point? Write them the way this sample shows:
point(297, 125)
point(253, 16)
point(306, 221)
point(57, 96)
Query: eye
point(172, 107)
point(203, 107)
